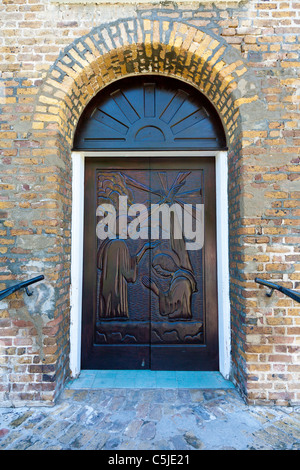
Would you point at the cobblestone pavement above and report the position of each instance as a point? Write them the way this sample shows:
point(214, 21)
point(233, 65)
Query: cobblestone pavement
point(156, 419)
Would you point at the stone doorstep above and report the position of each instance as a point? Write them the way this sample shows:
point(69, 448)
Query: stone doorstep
point(94, 379)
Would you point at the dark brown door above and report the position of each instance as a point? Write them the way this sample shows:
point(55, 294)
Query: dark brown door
point(148, 301)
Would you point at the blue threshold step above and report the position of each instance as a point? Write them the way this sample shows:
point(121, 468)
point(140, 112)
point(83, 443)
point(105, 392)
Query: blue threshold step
point(95, 379)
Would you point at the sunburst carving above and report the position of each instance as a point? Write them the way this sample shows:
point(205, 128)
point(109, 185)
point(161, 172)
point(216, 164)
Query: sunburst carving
point(150, 114)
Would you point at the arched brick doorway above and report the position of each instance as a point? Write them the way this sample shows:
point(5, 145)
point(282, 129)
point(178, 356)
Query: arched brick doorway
point(86, 66)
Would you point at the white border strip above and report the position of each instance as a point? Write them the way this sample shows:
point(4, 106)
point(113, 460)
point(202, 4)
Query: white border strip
point(223, 263)
point(76, 261)
point(149, 153)
point(78, 166)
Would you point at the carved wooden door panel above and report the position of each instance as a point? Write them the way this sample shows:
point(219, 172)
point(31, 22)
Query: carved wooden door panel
point(148, 301)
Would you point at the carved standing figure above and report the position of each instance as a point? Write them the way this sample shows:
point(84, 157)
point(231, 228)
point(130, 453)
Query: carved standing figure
point(118, 268)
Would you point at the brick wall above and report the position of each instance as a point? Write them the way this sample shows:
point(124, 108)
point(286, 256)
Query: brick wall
point(245, 58)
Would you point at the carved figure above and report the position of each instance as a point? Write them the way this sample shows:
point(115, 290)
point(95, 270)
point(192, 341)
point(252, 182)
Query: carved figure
point(176, 301)
point(118, 268)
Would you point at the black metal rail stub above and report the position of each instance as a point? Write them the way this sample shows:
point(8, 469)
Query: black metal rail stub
point(290, 293)
point(270, 293)
point(22, 285)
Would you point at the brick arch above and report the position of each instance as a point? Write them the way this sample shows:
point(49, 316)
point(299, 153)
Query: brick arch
point(134, 47)
point(118, 50)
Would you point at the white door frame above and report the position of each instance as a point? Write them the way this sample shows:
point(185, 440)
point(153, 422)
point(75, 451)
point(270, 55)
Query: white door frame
point(78, 168)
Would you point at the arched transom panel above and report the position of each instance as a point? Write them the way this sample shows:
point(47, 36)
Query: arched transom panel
point(149, 112)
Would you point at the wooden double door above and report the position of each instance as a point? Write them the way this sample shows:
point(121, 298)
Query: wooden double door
point(148, 301)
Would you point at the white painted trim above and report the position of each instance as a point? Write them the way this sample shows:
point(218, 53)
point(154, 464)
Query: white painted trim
point(76, 261)
point(78, 159)
point(150, 153)
point(223, 263)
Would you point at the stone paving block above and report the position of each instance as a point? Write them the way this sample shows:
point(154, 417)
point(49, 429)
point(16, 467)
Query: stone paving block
point(270, 438)
point(147, 431)
point(20, 420)
point(97, 442)
point(56, 430)
point(82, 440)
point(70, 434)
point(193, 441)
point(290, 427)
point(44, 425)
point(34, 420)
point(155, 412)
point(133, 428)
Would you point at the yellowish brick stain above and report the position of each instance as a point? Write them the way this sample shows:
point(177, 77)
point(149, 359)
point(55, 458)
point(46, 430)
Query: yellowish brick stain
point(241, 101)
